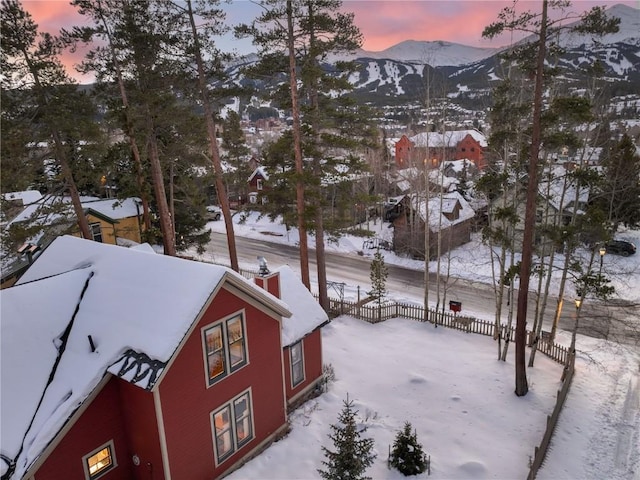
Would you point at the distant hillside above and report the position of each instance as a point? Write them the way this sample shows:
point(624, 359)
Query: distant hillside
point(397, 75)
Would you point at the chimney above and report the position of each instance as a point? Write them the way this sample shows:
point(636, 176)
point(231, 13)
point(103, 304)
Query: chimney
point(268, 280)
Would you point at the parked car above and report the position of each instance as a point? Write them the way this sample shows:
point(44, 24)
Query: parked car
point(620, 247)
point(213, 213)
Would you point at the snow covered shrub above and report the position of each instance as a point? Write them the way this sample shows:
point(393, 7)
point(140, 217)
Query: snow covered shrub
point(407, 455)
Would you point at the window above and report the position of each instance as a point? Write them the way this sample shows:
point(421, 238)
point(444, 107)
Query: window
point(99, 461)
point(225, 348)
point(297, 363)
point(232, 426)
point(96, 232)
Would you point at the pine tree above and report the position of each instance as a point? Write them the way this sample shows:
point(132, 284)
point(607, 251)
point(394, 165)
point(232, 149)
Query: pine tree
point(620, 196)
point(407, 454)
point(32, 69)
point(236, 151)
point(378, 276)
point(352, 455)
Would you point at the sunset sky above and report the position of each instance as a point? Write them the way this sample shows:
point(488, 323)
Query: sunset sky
point(382, 23)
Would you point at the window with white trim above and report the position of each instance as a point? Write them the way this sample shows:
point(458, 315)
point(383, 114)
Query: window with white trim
point(100, 461)
point(225, 348)
point(96, 232)
point(232, 426)
point(296, 354)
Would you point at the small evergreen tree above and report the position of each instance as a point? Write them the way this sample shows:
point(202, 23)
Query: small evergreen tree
point(352, 455)
point(407, 455)
point(378, 277)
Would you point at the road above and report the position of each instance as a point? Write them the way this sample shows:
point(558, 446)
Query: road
point(617, 321)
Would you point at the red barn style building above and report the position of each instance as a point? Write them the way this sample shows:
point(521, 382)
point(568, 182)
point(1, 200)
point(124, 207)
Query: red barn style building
point(124, 364)
point(434, 148)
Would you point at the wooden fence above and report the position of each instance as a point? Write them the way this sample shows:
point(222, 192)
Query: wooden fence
point(374, 313)
point(552, 420)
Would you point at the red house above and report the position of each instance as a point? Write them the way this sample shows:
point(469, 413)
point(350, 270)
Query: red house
point(435, 147)
point(132, 365)
point(257, 184)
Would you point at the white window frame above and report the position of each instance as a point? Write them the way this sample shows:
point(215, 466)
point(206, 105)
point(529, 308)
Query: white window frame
point(232, 429)
point(114, 462)
point(99, 232)
point(295, 381)
point(224, 347)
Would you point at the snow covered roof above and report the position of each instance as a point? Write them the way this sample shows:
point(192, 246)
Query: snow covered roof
point(437, 216)
point(27, 196)
point(307, 314)
point(259, 171)
point(450, 138)
point(112, 208)
point(561, 190)
point(136, 306)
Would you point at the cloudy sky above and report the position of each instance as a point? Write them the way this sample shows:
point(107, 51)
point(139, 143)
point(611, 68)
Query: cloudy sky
point(383, 23)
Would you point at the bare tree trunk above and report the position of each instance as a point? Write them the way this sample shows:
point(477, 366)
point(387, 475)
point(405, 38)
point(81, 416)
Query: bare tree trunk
point(214, 153)
point(427, 244)
point(83, 223)
point(166, 223)
point(522, 386)
point(297, 150)
point(172, 201)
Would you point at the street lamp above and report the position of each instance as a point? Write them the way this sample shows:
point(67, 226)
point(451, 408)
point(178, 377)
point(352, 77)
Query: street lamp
point(572, 349)
point(603, 250)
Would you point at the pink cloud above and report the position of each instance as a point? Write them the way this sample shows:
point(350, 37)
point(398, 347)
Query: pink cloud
point(385, 23)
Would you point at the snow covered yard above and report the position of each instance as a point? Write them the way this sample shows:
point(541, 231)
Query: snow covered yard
point(448, 384)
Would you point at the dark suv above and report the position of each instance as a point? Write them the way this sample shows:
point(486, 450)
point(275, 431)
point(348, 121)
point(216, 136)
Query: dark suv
point(620, 247)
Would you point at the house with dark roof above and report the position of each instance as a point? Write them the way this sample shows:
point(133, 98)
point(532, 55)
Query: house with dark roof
point(134, 365)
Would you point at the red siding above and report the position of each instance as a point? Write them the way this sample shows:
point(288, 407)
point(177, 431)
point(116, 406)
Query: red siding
point(142, 431)
point(471, 149)
point(312, 347)
point(187, 402)
point(101, 422)
point(404, 149)
point(271, 283)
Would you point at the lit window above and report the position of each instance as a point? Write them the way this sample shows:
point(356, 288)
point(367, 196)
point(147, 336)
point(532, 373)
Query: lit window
point(99, 461)
point(297, 364)
point(225, 348)
point(232, 426)
point(96, 232)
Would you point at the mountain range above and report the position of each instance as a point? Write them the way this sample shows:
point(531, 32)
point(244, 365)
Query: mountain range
point(397, 75)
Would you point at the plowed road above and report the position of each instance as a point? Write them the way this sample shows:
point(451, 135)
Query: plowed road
point(617, 321)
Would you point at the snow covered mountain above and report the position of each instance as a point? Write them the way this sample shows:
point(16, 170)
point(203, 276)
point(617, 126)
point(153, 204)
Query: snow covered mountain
point(397, 75)
point(436, 54)
point(400, 70)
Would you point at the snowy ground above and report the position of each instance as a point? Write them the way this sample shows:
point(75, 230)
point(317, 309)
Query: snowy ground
point(459, 398)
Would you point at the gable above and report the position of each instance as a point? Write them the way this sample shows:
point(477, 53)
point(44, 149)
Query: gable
point(127, 314)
